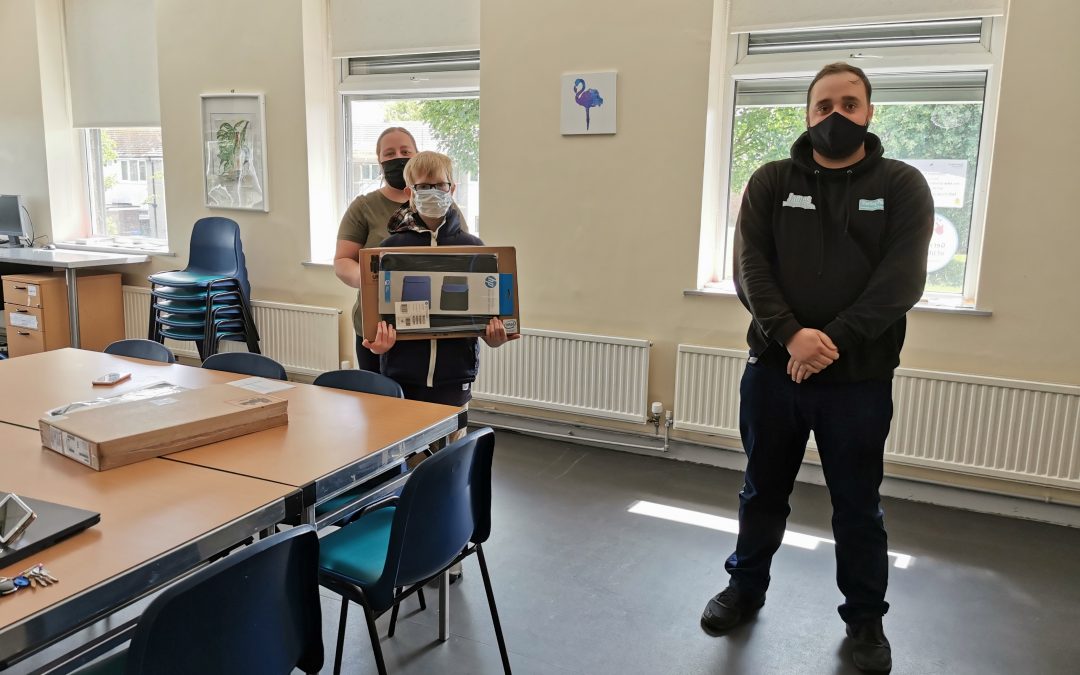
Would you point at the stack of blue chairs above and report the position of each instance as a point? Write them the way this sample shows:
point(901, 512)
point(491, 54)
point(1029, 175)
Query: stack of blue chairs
point(210, 300)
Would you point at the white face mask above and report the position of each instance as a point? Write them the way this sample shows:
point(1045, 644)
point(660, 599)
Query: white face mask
point(432, 203)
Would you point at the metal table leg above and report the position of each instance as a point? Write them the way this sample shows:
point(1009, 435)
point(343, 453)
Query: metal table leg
point(73, 305)
point(444, 606)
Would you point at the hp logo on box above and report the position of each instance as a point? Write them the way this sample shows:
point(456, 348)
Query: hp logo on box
point(489, 282)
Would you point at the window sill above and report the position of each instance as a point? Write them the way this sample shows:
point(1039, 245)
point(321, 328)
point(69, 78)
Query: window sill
point(317, 263)
point(924, 306)
point(105, 248)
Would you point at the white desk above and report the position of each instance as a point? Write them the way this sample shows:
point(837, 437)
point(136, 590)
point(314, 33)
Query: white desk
point(69, 261)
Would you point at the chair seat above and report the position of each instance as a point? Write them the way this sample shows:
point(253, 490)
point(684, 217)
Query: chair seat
point(191, 294)
point(357, 551)
point(190, 335)
point(188, 277)
point(230, 323)
point(194, 306)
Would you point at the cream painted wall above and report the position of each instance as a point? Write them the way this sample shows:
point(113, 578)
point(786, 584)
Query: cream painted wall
point(23, 165)
point(611, 242)
point(607, 226)
point(206, 46)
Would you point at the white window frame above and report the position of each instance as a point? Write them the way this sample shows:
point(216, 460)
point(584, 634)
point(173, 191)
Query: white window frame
point(91, 240)
point(445, 84)
point(730, 64)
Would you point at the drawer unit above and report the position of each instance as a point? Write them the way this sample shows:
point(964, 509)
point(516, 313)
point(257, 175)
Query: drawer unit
point(36, 312)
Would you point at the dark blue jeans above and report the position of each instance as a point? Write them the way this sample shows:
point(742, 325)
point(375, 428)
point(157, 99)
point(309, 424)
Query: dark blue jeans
point(850, 423)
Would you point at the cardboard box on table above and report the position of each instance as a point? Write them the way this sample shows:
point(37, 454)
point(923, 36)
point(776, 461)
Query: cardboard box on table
point(449, 287)
point(111, 432)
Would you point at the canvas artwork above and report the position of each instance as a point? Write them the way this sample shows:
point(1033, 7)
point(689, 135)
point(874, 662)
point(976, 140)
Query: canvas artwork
point(234, 144)
point(588, 103)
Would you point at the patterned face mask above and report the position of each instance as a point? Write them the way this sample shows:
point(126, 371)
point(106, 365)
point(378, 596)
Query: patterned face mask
point(432, 203)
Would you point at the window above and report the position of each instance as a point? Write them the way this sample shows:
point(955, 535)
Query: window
point(133, 170)
point(928, 113)
point(447, 125)
point(435, 96)
point(126, 186)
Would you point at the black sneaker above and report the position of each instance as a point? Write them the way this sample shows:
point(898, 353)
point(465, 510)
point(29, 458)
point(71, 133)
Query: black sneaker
point(870, 648)
point(729, 608)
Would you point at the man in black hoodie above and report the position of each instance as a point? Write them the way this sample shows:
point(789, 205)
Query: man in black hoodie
point(830, 254)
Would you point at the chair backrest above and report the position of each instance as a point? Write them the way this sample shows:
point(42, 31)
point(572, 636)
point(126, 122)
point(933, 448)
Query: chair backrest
point(216, 247)
point(255, 611)
point(246, 363)
point(363, 381)
point(141, 349)
point(445, 504)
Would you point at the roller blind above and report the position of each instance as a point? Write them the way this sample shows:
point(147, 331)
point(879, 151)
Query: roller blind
point(907, 34)
point(111, 50)
point(960, 87)
point(762, 15)
point(380, 27)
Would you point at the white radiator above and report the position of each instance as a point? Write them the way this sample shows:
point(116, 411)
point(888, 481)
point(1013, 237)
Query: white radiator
point(302, 338)
point(569, 372)
point(1026, 431)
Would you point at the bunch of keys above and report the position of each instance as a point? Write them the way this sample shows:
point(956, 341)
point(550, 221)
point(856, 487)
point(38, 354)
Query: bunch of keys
point(28, 577)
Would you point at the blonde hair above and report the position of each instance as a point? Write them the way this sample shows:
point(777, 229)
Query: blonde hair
point(428, 163)
point(390, 130)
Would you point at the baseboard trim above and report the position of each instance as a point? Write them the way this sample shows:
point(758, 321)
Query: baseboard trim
point(732, 459)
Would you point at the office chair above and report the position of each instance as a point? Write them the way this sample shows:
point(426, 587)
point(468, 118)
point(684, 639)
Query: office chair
point(246, 363)
point(254, 612)
point(141, 349)
point(442, 516)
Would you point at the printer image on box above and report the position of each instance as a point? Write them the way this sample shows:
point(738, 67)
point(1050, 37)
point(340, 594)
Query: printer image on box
point(431, 293)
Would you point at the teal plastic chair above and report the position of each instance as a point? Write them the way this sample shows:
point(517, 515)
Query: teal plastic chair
point(363, 382)
point(141, 349)
point(395, 547)
point(246, 363)
point(254, 612)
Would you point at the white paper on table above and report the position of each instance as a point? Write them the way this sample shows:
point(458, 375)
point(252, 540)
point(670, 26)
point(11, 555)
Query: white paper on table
point(261, 385)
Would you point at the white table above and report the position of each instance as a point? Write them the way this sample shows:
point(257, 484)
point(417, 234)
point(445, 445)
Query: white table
point(69, 261)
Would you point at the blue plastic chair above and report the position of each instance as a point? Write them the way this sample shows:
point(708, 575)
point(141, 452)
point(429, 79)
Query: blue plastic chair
point(217, 268)
point(255, 612)
point(141, 349)
point(442, 516)
point(361, 381)
point(246, 363)
point(215, 253)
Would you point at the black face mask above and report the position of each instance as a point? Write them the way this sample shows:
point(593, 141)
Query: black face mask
point(393, 170)
point(837, 137)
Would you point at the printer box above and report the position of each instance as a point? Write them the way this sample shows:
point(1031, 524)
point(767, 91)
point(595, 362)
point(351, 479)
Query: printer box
point(156, 420)
point(440, 292)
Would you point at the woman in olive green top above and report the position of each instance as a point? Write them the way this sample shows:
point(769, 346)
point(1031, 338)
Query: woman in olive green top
point(365, 221)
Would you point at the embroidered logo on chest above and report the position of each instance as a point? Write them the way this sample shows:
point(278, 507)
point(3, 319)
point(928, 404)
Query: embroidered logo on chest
point(872, 204)
point(799, 201)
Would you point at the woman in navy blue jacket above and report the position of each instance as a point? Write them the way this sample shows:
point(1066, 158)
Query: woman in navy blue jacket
point(437, 371)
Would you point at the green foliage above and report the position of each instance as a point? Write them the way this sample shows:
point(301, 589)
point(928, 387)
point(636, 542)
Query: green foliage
point(455, 123)
point(110, 182)
point(231, 138)
point(907, 131)
point(108, 148)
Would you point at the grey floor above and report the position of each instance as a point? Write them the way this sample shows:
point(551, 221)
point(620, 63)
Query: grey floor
point(584, 586)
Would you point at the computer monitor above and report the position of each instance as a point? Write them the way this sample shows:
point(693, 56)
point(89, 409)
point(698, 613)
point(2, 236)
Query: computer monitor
point(12, 221)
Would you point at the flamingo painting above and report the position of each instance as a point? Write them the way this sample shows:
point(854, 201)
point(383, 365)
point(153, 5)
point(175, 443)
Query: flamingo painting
point(587, 98)
point(596, 92)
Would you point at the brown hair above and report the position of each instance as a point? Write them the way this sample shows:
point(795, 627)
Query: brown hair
point(389, 130)
point(835, 69)
point(428, 163)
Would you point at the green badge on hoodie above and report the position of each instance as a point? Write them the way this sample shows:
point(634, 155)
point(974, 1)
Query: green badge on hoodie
point(872, 204)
